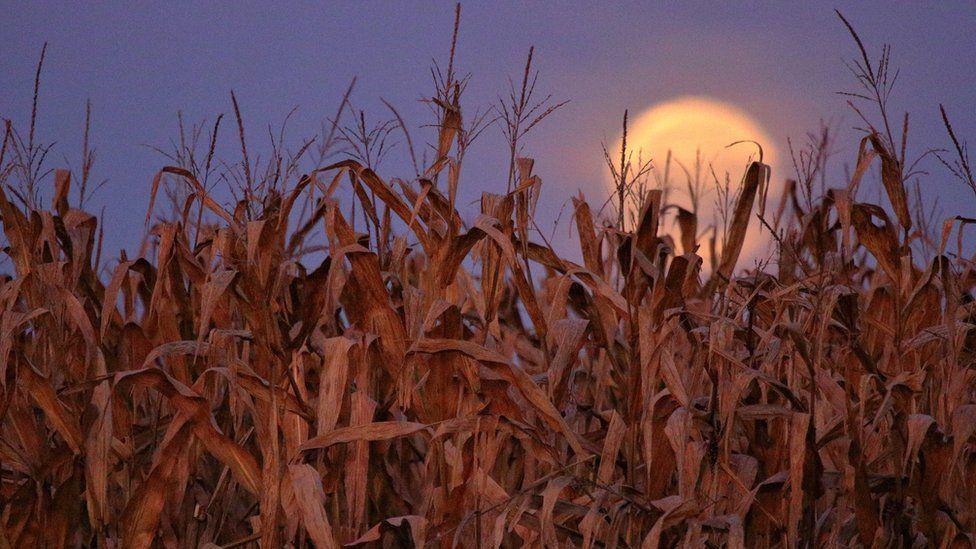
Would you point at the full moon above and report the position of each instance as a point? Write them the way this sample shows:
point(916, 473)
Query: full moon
point(697, 132)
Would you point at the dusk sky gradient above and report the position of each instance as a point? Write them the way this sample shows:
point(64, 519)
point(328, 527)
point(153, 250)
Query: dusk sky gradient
point(141, 62)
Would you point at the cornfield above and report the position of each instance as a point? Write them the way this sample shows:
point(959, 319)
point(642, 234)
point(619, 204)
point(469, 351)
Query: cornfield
point(338, 358)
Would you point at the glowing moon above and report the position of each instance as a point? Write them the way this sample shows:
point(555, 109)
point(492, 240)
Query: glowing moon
point(684, 126)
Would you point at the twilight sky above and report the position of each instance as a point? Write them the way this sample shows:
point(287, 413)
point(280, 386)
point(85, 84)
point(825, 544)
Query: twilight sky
point(141, 62)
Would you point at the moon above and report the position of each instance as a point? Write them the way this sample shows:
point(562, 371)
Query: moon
point(697, 132)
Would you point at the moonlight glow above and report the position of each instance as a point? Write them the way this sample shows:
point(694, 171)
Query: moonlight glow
point(685, 126)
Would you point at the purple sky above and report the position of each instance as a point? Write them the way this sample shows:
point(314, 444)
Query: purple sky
point(140, 63)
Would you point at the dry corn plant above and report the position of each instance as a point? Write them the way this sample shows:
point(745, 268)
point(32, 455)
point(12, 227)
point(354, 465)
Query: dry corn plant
point(417, 385)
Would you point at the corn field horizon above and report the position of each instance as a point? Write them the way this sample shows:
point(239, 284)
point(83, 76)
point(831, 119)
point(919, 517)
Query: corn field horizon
point(337, 357)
